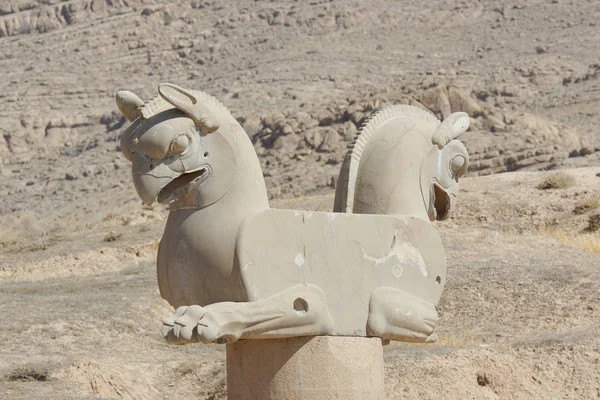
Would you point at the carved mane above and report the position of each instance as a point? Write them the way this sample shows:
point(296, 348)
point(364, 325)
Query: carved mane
point(362, 138)
point(158, 104)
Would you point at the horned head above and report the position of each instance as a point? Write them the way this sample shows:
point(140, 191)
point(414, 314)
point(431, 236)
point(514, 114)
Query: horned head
point(446, 161)
point(176, 147)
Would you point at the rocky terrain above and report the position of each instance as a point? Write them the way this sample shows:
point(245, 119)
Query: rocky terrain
point(520, 314)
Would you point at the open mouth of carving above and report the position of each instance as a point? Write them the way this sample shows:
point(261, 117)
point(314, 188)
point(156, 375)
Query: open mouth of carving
point(442, 202)
point(179, 187)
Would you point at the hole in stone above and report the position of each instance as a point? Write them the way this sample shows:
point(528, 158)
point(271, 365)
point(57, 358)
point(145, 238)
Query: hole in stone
point(438, 280)
point(300, 305)
point(225, 339)
point(206, 154)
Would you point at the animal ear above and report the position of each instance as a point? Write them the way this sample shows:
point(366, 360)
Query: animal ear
point(128, 104)
point(459, 121)
point(187, 102)
point(453, 126)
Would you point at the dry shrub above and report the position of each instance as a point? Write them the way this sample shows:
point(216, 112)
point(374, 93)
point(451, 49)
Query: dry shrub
point(112, 236)
point(124, 219)
point(593, 224)
point(21, 228)
point(187, 368)
point(586, 205)
point(589, 240)
point(558, 180)
point(28, 374)
point(482, 379)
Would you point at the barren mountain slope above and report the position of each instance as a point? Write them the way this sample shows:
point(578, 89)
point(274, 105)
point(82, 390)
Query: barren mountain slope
point(302, 76)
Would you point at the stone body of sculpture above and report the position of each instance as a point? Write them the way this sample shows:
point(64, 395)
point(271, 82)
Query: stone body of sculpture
point(234, 268)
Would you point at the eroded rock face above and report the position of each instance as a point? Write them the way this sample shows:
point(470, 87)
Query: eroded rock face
point(301, 101)
point(523, 141)
point(499, 140)
point(22, 17)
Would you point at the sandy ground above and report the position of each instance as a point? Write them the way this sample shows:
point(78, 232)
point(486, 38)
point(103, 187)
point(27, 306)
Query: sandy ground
point(520, 314)
point(79, 303)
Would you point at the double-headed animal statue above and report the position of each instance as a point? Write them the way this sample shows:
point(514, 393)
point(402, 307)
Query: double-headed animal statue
point(233, 268)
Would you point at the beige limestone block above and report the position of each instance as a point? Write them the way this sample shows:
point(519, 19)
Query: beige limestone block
point(315, 368)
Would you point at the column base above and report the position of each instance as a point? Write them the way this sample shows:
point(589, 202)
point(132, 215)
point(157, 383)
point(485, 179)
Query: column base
point(306, 368)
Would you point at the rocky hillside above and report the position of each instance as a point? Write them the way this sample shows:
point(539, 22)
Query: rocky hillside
point(301, 76)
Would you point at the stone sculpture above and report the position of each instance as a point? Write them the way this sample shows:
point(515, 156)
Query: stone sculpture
point(235, 269)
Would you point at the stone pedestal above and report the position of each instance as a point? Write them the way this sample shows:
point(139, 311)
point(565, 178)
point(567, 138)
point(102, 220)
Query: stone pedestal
point(306, 368)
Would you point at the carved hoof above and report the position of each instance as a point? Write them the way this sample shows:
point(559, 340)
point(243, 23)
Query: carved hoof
point(193, 324)
point(398, 315)
point(182, 326)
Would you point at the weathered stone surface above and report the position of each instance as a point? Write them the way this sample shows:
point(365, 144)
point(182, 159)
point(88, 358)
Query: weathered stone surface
point(323, 368)
point(321, 273)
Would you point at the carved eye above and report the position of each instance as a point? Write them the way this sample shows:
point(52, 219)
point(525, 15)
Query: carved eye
point(180, 144)
point(457, 166)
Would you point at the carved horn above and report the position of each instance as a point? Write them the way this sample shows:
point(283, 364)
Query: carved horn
point(128, 104)
point(187, 102)
point(453, 126)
